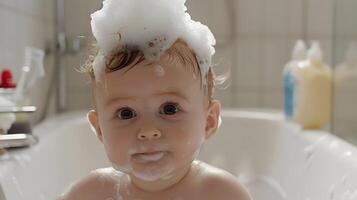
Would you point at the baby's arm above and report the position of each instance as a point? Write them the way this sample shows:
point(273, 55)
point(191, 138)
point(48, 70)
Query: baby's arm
point(223, 185)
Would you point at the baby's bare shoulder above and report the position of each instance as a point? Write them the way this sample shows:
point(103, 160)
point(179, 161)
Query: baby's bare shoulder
point(220, 184)
point(99, 184)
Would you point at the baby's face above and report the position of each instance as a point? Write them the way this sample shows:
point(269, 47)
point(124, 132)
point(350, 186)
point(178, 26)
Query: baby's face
point(152, 118)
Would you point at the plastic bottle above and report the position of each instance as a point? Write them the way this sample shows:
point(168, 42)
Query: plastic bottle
point(289, 77)
point(346, 72)
point(345, 94)
point(314, 90)
point(31, 71)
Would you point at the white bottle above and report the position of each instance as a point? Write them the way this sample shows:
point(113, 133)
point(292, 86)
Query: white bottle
point(314, 90)
point(346, 93)
point(289, 77)
point(346, 72)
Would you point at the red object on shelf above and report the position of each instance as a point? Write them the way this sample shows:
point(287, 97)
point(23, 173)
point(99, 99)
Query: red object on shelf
point(6, 79)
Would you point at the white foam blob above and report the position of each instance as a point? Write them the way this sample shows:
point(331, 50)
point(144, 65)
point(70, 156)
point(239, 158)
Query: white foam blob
point(146, 174)
point(151, 26)
point(153, 174)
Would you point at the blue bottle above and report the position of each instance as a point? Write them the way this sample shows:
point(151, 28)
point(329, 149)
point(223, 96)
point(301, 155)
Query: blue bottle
point(289, 78)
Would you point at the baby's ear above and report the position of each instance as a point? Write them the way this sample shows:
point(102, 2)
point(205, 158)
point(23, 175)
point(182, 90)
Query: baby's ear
point(92, 117)
point(213, 118)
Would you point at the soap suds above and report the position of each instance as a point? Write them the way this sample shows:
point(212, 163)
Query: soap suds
point(151, 26)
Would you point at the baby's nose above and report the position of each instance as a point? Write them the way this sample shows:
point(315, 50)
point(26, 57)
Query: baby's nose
point(148, 135)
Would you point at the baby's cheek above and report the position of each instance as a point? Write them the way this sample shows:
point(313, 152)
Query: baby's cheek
point(117, 150)
point(188, 143)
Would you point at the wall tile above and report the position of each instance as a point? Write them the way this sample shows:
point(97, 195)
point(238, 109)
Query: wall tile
point(33, 8)
point(295, 17)
point(77, 18)
point(320, 17)
point(48, 11)
point(200, 10)
point(276, 55)
point(250, 63)
point(250, 17)
point(276, 17)
point(346, 13)
point(222, 23)
point(344, 104)
point(247, 99)
point(273, 99)
point(79, 100)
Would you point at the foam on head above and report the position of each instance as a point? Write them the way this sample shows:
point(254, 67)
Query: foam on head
point(151, 26)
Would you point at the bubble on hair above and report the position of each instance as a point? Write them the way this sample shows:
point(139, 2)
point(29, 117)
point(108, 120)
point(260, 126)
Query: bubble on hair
point(156, 25)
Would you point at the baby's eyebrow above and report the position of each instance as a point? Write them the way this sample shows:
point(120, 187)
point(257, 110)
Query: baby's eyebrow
point(171, 92)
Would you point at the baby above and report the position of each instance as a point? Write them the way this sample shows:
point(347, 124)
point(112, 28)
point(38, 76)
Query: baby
point(153, 107)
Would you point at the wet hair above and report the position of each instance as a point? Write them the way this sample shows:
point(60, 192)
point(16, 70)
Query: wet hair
point(129, 57)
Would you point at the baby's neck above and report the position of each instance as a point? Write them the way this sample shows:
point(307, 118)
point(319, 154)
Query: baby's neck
point(162, 184)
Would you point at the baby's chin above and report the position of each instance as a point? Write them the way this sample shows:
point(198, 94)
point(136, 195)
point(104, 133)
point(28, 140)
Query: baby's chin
point(148, 170)
point(156, 166)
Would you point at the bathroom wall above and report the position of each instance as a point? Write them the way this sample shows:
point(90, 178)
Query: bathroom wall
point(27, 23)
point(254, 38)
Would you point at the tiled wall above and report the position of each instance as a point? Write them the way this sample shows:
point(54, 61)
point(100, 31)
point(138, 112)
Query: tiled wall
point(26, 23)
point(254, 37)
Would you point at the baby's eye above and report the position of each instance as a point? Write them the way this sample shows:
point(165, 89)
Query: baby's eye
point(126, 113)
point(169, 109)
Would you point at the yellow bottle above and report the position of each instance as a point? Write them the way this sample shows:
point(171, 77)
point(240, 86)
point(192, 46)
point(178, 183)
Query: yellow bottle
point(313, 90)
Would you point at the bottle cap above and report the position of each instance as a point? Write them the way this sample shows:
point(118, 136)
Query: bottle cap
point(299, 51)
point(6, 79)
point(315, 53)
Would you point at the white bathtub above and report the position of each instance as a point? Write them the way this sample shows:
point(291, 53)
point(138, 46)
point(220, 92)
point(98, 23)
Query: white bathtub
point(274, 159)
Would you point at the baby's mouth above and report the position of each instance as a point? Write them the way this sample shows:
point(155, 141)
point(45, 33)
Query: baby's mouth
point(148, 156)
